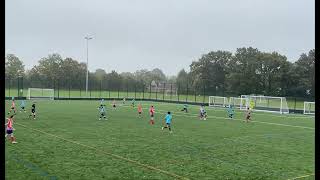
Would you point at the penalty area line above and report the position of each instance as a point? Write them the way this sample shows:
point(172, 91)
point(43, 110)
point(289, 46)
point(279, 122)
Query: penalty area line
point(110, 154)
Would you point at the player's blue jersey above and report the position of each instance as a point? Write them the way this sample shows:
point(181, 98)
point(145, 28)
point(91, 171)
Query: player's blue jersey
point(23, 104)
point(168, 118)
point(230, 110)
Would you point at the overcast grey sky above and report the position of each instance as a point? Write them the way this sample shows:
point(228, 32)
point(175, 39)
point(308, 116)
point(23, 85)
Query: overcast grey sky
point(167, 34)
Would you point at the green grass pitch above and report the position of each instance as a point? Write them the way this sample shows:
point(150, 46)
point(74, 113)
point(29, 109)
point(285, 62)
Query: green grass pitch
point(67, 141)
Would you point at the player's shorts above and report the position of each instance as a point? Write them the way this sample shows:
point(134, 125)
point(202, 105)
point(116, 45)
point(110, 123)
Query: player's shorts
point(9, 131)
point(114, 106)
point(201, 114)
point(12, 107)
point(139, 112)
point(151, 115)
point(103, 114)
point(22, 107)
point(248, 117)
point(33, 110)
point(168, 124)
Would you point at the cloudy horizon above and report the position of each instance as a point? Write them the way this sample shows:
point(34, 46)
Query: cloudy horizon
point(169, 35)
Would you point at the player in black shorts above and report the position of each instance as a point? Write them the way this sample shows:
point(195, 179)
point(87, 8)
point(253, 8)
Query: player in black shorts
point(33, 110)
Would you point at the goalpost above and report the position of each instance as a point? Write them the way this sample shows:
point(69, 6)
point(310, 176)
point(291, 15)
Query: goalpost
point(39, 93)
point(309, 107)
point(217, 101)
point(264, 104)
point(235, 102)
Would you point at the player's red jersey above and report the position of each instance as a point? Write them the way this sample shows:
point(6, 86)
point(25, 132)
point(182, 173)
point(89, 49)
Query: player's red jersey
point(9, 125)
point(13, 104)
point(151, 111)
point(139, 108)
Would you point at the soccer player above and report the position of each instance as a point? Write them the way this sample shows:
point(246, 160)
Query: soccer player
point(114, 104)
point(124, 100)
point(102, 111)
point(10, 129)
point(139, 110)
point(203, 113)
point(23, 106)
point(185, 108)
point(133, 102)
point(13, 107)
point(168, 119)
point(230, 111)
point(101, 101)
point(248, 115)
point(33, 110)
point(151, 111)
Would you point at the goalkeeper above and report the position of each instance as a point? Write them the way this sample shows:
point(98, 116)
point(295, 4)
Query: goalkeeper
point(230, 111)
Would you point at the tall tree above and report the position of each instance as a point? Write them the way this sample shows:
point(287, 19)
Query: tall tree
point(13, 66)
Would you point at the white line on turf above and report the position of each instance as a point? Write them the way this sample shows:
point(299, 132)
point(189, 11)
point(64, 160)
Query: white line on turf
point(299, 177)
point(211, 117)
point(110, 154)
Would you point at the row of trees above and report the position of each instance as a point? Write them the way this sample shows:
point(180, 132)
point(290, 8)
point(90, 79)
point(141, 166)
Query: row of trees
point(247, 71)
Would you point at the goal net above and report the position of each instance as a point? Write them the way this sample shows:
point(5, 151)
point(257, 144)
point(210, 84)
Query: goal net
point(265, 103)
point(39, 93)
point(217, 101)
point(309, 108)
point(235, 102)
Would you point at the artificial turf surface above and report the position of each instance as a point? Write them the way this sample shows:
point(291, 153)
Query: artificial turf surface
point(67, 141)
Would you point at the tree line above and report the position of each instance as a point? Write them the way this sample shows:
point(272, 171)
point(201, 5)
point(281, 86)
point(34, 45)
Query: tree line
point(247, 71)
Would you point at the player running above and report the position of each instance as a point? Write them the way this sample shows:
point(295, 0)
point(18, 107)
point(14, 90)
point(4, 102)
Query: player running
point(168, 119)
point(151, 111)
point(203, 113)
point(124, 100)
point(102, 102)
point(139, 110)
point(248, 115)
point(23, 106)
point(10, 129)
point(185, 108)
point(33, 110)
point(13, 107)
point(114, 104)
point(133, 102)
point(230, 111)
point(102, 111)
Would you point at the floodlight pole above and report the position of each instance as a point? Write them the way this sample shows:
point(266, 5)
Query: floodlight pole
point(87, 38)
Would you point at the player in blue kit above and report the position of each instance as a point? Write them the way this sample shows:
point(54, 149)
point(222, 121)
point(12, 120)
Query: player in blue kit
point(168, 119)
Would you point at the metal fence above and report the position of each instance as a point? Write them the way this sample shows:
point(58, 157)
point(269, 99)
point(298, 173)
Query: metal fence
point(181, 93)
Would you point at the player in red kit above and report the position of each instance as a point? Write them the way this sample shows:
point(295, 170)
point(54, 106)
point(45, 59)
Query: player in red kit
point(10, 129)
point(151, 111)
point(13, 107)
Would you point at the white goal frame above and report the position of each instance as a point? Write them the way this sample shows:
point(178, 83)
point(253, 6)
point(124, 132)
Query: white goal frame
point(246, 99)
point(225, 101)
point(305, 105)
point(235, 105)
point(29, 96)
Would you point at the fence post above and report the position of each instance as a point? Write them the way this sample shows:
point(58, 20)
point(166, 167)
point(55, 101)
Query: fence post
point(295, 103)
point(187, 93)
point(157, 93)
point(69, 89)
point(204, 93)
point(150, 91)
point(118, 92)
point(58, 89)
point(164, 87)
point(195, 94)
point(100, 87)
point(143, 91)
point(127, 89)
point(18, 86)
point(171, 93)
point(80, 89)
point(9, 86)
point(90, 90)
point(178, 92)
point(135, 90)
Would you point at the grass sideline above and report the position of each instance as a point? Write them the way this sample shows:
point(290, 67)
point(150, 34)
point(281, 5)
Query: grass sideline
point(218, 148)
